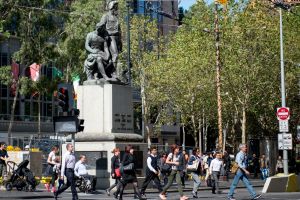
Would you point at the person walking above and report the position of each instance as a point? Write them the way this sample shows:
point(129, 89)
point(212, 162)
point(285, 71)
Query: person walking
point(80, 170)
point(164, 175)
point(264, 167)
point(129, 176)
point(174, 159)
point(3, 160)
point(242, 174)
point(67, 168)
point(215, 171)
point(255, 162)
point(195, 157)
point(227, 165)
point(152, 171)
point(279, 165)
point(115, 171)
point(51, 161)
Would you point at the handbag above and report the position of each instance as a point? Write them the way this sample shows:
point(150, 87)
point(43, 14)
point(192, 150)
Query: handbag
point(209, 182)
point(193, 167)
point(166, 168)
point(117, 173)
point(234, 167)
point(126, 168)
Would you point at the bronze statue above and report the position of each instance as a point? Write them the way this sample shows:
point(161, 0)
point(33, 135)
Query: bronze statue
point(103, 46)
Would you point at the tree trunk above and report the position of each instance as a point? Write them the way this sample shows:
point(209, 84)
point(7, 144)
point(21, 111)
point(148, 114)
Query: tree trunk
point(183, 137)
point(244, 120)
point(12, 114)
point(200, 135)
point(39, 116)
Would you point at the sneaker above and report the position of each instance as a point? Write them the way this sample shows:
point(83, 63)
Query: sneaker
point(230, 198)
point(143, 195)
point(184, 198)
point(257, 197)
point(107, 192)
point(162, 197)
point(195, 195)
point(53, 189)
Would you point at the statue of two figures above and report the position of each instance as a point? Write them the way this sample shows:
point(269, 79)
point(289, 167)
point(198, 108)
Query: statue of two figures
point(103, 46)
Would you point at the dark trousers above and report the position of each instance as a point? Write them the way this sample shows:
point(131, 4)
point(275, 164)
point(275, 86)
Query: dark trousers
point(149, 177)
point(54, 177)
point(70, 182)
point(117, 181)
point(122, 184)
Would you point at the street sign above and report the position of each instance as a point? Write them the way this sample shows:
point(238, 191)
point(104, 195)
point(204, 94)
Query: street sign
point(285, 141)
point(283, 113)
point(283, 126)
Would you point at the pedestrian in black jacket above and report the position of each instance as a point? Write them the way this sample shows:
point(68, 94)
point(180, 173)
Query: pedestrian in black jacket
point(129, 176)
point(152, 171)
point(115, 170)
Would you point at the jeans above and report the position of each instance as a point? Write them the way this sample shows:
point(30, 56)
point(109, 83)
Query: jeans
point(149, 177)
point(70, 182)
point(174, 175)
point(215, 181)
point(264, 173)
point(241, 176)
point(197, 181)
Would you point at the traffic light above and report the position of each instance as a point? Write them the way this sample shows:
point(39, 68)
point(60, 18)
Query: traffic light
point(63, 99)
point(80, 127)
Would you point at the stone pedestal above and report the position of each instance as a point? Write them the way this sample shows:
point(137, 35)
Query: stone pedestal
point(107, 110)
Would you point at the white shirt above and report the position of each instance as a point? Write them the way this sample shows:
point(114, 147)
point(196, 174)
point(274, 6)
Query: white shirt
point(215, 165)
point(149, 160)
point(52, 157)
point(68, 161)
point(80, 169)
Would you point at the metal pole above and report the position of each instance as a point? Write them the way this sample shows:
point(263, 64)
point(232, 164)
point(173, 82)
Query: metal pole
point(218, 77)
point(283, 104)
point(73, 141)
point(128, 42)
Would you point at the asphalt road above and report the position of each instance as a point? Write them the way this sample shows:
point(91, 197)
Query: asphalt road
point(241, 194)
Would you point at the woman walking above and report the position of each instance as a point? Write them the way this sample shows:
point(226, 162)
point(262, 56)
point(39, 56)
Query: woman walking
point(279, 165)
point(175, 159)
point(115, 169)
point(195, 157)
point(129, 175)
point(51, 163)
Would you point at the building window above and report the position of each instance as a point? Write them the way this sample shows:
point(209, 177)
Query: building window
point(3, 107)
point(3, 91)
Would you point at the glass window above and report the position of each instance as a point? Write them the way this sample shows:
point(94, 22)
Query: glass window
point(3, 107)
point(35, 109)
point(27, 108)
point(3, 91)
point(4, 59)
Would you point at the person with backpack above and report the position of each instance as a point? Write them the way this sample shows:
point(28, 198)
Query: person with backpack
point(176, 161)
point(152, 171)
point(195, 157)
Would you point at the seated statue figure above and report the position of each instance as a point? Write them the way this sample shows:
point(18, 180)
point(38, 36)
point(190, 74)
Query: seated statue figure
point(97, 63)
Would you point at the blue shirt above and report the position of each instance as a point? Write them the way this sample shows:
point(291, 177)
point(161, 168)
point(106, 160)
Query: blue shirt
point(241, 159)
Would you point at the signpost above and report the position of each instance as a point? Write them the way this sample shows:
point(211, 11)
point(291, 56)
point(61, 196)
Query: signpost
point(285, 141)
point(283, 115)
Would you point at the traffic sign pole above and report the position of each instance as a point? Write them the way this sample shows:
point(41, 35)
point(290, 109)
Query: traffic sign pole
point(283, 104)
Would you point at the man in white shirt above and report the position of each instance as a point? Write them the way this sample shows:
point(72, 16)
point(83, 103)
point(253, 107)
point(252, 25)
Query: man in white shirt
point(80, 170)
point(215, 169)
point(67, 168)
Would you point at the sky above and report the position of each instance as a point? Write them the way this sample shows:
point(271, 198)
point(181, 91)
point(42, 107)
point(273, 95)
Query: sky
point(186, 4)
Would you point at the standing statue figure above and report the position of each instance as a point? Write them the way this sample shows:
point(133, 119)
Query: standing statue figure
point(103, 46)
point(111, 22)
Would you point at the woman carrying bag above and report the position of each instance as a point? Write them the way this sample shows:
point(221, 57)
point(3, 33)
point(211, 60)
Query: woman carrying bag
point(115, 170)
point(195, 163)
point(128, 172)
point(175, 159)
point(51, 163)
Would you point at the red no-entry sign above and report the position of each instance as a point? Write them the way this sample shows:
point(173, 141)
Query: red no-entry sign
point(283, 113)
